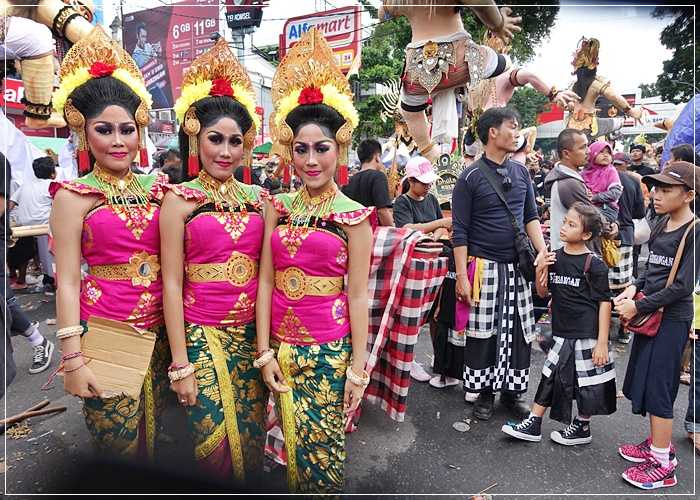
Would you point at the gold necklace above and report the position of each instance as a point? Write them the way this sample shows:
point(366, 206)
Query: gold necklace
point(228, 193)
point(126, 197)
point(305, 207)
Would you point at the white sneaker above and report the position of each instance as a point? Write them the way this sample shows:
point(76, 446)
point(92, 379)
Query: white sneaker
point(440, 382)
point(418, 373)
point(470, 397)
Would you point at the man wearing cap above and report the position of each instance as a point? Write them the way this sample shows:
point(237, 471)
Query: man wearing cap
point(631, 207)
point(637, 165)
point(501, 324)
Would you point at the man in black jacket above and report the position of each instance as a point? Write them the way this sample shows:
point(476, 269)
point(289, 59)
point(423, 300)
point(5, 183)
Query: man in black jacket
point(631, 207)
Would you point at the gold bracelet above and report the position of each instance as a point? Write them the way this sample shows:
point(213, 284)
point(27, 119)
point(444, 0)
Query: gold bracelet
point(356, 379)
point(69, 331)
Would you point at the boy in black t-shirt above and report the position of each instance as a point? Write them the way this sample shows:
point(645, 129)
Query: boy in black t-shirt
point(579, 366)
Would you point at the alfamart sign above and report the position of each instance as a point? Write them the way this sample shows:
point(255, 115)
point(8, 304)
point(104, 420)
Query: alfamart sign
point(340, 27)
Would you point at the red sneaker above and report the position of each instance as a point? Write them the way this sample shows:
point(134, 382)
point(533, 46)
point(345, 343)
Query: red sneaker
point(639, 453)
point(651, 475)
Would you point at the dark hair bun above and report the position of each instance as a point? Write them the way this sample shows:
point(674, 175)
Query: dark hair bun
point(322, 115)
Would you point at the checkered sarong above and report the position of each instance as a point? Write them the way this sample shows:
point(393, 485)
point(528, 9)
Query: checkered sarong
point(274, 443)
point(620, 276)
point(483, 321)
point(404, 280)
point(494, 316)
point(587, 373)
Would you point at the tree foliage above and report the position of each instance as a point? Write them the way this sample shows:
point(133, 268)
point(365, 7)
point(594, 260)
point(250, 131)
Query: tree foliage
point(676, 83)
point(383, 54)
point(649, 90)
point(529, 103)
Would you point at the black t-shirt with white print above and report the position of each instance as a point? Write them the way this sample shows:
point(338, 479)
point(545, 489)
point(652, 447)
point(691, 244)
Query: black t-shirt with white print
point(677, 299)
point(575, 299)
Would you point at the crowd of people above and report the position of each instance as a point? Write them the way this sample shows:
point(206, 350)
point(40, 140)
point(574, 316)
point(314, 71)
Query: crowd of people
point(251, 289)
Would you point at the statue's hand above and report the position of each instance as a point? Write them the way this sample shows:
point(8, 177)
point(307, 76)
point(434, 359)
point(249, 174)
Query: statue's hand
point(639, 114)
point(566, 97)
point(509, 25)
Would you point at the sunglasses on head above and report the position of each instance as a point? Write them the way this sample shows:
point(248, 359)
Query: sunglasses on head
point(507, 181)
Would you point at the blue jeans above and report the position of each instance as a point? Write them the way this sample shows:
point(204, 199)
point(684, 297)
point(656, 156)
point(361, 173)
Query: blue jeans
point(692, 416)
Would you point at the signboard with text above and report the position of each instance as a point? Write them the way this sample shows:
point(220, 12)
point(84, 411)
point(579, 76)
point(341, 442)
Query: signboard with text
point(165, 40)
point(340, 27)
point(241, 14)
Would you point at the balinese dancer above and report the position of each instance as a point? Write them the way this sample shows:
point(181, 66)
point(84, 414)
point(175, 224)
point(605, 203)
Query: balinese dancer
point(109, 218)
point(589, 86)
point(212, 234)
point(441, 57)
point(312, 317)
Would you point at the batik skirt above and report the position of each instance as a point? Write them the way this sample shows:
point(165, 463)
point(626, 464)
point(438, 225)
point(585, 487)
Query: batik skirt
point(313, 421)
point(500, 331)
point(228, 421)
point(569, 374)
point(126, 426)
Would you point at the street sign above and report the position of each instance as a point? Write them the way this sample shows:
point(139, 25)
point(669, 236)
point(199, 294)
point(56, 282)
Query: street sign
point(340, 27)
point(242, 14)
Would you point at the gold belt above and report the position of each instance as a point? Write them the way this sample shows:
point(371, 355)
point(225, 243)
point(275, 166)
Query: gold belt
point(142, 269)
point(295, 284)
point(238, 270)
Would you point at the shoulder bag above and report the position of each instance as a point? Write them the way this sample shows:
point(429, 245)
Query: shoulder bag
point(523, 246)
point(648, 324)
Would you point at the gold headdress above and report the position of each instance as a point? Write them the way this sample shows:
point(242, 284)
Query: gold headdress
point(586, 54)
point(308, 74)
point(217, 72)
point(98, 56)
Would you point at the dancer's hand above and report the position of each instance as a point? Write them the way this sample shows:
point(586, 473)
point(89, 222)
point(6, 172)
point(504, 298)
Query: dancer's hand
point(509, 25)
point(186, 390)
point(81, 381)
point(273, 378)
point(352, 397)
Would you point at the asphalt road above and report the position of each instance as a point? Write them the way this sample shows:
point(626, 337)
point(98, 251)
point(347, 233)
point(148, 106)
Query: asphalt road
point(423, 455)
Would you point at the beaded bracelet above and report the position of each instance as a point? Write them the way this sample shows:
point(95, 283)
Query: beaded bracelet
point(69, 331)
point(357, 379)
point(74, 369)
point(71, 355)
point(182, 373)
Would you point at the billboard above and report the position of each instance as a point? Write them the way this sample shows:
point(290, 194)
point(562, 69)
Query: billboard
point(340, 27)
point(242, 14)
point(165, 40)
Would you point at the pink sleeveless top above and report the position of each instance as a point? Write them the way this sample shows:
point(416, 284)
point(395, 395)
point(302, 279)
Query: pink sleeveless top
point(320, 251)
point(231, 241)
point(117, 250)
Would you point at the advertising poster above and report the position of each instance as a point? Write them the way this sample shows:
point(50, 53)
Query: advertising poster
point(165, 40)
point(340, 28)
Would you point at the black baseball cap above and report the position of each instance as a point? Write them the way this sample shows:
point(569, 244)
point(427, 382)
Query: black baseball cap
point(637, 146)
point(677, 173)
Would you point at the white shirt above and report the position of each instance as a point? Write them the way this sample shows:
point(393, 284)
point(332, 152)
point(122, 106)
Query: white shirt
point(33, 202)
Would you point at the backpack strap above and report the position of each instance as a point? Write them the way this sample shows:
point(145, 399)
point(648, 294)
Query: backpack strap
point(587, 267)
